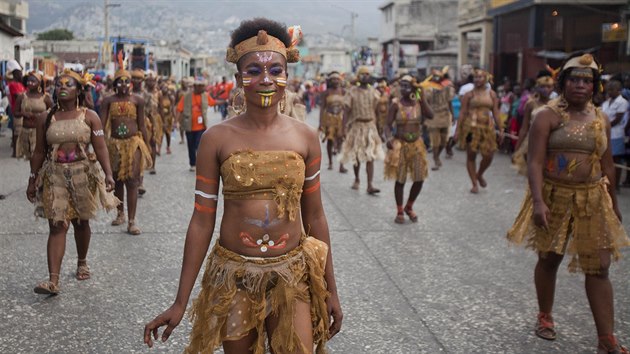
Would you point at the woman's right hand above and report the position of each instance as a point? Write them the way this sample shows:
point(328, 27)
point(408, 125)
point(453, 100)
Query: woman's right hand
point(169, 318)
point(541, 215)
point(31, 190)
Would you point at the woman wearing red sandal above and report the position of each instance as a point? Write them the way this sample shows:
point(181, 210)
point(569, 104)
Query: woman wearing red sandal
point(67, 183)
point(406, 153)
point(571, 207)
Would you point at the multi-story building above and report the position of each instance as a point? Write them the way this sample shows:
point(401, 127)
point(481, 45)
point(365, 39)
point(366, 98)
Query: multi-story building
point(13, 16)
point(475, 33)
point(418, 35)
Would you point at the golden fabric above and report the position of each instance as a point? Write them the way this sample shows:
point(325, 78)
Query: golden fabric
point(382, 106)
point(167, 114)
point(477, 130)
point(33, 104)
point(122, 109)
point(519, 158)
point(71, 190)
point(156, 129)
point(239, 293)
point(362, 103)
point(439, 99)
point(273, 175)
point(406, 159)
point(122, 153)
point(581, 223)
point(332, 118)
point(25, 145)
point(362, 144)
point(581, 137)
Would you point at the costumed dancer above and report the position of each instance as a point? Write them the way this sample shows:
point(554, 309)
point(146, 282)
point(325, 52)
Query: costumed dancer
point(542, 90)
point(439, 98)
point(406, 154)
point(571, 207)
point(152, 114)
point(331, 117)
point(127, 142)
point(362, 142)
point(167, 112)
point(476, 128)
point(15, 88)
point(266, 282)
point(185, 87)
point(137, 79)
point(293, 106)
point(29, 106)
point(382, 106)
point(67, 182)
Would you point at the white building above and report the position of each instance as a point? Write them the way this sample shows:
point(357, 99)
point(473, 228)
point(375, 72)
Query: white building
point(13, 45)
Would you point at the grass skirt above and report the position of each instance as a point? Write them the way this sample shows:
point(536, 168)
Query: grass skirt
point(158, 130)
point(73, 190)
point(480, 138)
point(519, 159)
point(25, 145)
point(406, 159)
point(582, 223)
point(362, 144)
point(331, 125)
point(238, 294)
point(122, 153)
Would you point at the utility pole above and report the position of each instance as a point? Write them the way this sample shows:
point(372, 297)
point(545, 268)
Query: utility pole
point(107, 51)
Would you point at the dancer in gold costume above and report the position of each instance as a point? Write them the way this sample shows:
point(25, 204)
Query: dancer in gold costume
point(570, 207)
point(266, 281)
point(331, 117)
point(31, 106)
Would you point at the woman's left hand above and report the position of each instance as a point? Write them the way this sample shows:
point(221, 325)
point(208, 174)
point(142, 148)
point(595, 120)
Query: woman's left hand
point(109, 183)
point(334, 311)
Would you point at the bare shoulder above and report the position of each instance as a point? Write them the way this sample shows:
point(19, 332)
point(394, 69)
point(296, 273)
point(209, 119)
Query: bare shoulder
point(546, 117)
point(302, 128)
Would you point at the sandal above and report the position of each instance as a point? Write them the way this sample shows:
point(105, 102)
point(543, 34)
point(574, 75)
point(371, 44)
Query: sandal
point(545, 328)
point(373, 191)
point(410, 213)
point(342, 169)
point(608, 345)
point(83, 271)
point(400, 218)
point(120, 219)
point(132, 229)
point(47, 287)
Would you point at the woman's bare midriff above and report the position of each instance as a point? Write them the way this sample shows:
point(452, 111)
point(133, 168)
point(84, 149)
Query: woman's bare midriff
point(570, 167)
point(404, 130)
point(130, 122)
point(250, 226)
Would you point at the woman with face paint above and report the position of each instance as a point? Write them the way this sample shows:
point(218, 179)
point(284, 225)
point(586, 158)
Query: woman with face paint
point(542, 90)
point(128, 145)
point(30, 106)
point(476, 128)
point(406, 155)
point(67, 182)
point(571, 206)
point(266, 280)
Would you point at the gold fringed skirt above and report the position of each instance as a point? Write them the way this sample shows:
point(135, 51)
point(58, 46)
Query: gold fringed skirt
point(406, 159)
point(25, 146)
point(480, 138)
point(362, 144)
point(331, 125)
point(158, 130)
point(168, 120)
point(582, 223)
point(73, 190)
point(122, 153)
point(238, 293)
point(519, 158)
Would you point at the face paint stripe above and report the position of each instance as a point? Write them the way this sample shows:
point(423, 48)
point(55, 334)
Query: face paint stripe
point(312, 189)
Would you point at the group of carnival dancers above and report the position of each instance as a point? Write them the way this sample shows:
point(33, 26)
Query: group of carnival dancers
point(267, 282)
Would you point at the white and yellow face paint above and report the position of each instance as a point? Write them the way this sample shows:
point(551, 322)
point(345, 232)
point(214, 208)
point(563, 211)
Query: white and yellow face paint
point(281, 82)
point(247, 80)
point(265, 97)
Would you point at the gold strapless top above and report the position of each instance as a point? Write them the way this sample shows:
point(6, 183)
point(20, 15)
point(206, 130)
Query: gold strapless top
point(34, 104)
point(581, 137)
point(408, 114)
point(265, 175)
point(481, 102)
point(122, 109)
point(68, 131)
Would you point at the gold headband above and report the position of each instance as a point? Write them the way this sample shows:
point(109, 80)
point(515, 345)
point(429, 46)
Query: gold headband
point(407, 78)
point(137, 74)
point(263, 42)
point(82, 80)
point(363, 70)
point(36, 75)
point(121, 73)
point(584, 61)
point(334, 76)
point(544, 80)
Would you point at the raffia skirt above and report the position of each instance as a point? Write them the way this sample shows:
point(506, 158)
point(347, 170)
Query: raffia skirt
point(362, 144)
point(168, 120)
point(406, 159)
point(73, 190)
point(519, 159)
point(480, 138)
point(331, 125)
point(158, 130)
point(25, 145)
point(238, 293)
point(582, 223)
point(122, 153)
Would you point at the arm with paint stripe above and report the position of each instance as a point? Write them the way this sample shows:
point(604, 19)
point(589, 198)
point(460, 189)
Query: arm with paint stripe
point(315, 222)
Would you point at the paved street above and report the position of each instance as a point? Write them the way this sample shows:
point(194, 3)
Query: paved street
point(448, 284)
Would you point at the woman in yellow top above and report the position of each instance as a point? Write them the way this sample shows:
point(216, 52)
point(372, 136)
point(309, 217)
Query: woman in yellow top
point(67, 182)
point(266, 281)
point(571, 207)
point(476, 128)
point(331, 116)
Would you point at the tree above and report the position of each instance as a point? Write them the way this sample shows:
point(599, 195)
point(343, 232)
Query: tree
point(58, 34)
